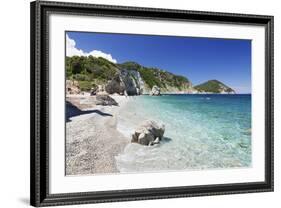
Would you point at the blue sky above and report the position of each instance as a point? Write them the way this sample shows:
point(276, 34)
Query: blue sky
point(198, 59)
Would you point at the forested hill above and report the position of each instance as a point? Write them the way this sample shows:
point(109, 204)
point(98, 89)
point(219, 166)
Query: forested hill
point(214, 86)
point(90, 73)
point(168, 82)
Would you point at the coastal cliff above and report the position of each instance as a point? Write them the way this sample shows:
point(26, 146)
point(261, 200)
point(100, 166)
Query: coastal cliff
point(91, 74)
point(150, 76)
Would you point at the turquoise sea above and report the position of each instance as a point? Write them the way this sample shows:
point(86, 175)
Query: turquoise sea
point(201, 132)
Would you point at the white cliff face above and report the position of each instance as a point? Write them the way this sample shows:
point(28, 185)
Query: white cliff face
point(134, 84)
point(132, 81)
point(127, 82)
point(140, 82)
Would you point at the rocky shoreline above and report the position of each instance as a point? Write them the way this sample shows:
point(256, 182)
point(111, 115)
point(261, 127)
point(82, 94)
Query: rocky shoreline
point(92, 140)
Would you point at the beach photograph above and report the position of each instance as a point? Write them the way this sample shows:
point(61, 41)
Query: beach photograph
point(152, 103)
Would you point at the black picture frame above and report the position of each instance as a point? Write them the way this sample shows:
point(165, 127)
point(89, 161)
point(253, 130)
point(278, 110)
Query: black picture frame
point(39, 177)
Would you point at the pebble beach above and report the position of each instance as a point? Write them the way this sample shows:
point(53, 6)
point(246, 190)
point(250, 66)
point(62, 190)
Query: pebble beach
point(92, 141)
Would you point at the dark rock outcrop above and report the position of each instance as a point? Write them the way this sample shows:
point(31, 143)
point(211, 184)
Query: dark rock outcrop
point(94, 90)
point(132, 81)
point(128, 82)
point(115, 86)
point(105, 100)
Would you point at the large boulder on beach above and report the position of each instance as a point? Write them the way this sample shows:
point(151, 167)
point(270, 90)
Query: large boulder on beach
point(105, 100)
point(148, 133)
point(155, 91)
point(101, 90)
point(72, 87)
point(94, 90)
point(115, 85)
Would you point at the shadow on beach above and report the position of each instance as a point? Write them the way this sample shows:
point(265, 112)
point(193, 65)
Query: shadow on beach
point(72, 110)
point(166, 140)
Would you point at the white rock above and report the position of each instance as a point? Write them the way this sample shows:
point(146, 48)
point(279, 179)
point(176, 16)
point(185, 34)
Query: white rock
point(148, 133)
point(155, 91)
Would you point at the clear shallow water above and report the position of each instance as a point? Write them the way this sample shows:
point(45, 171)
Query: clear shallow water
point(201, 132)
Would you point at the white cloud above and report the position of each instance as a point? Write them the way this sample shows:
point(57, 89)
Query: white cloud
point(71, 50)
point(96, 53)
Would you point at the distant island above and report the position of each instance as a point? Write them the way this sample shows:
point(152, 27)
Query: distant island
point(214, 86)
point(91, 74)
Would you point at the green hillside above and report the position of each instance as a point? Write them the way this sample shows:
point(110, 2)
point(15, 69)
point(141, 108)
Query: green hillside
point(213, 86)
point(154, 76)
point(91, 71)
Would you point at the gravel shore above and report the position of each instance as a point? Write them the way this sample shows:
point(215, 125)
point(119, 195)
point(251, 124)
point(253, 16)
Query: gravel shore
point(92, 141)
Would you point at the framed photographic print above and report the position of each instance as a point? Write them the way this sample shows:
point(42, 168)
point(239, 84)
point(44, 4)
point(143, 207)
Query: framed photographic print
point(132, 103)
